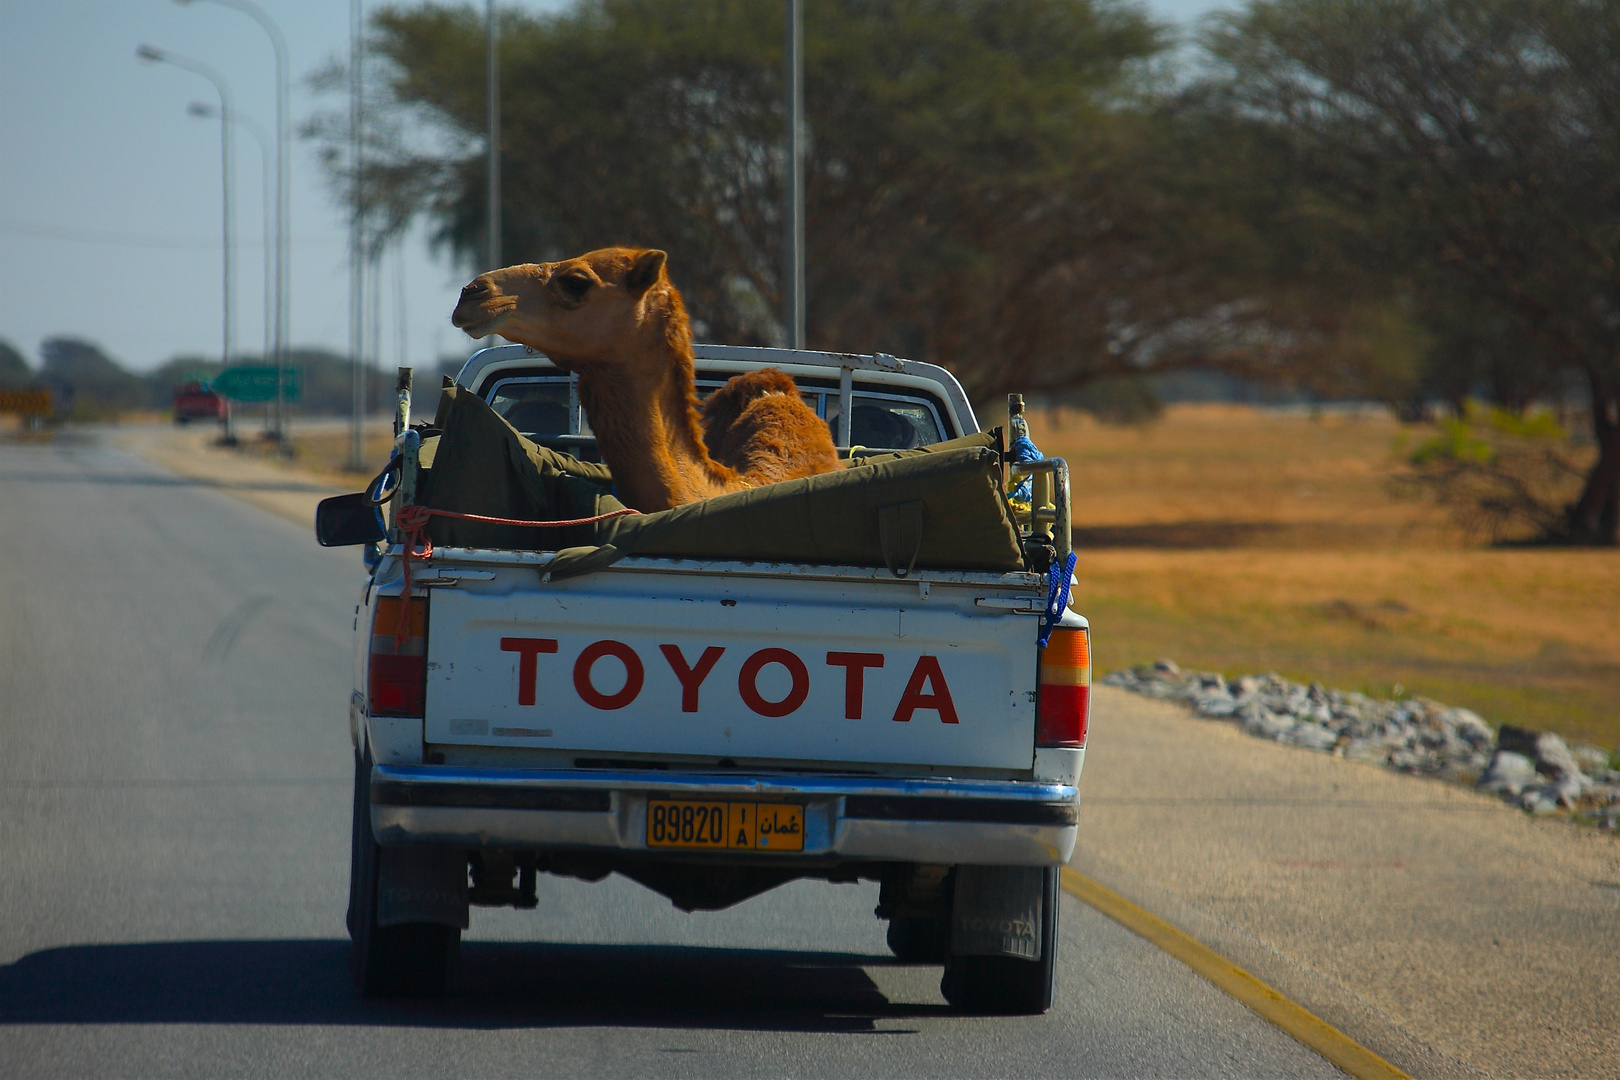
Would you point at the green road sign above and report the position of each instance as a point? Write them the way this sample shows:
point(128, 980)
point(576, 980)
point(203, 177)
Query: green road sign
point(257, 383)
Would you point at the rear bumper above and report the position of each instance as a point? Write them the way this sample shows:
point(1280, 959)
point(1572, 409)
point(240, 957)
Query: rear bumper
point(1002, 823)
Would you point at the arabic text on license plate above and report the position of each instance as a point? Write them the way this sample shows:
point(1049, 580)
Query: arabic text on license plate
point(733, 825)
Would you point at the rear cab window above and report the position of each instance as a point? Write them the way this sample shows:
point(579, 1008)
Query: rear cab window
point(545, 407)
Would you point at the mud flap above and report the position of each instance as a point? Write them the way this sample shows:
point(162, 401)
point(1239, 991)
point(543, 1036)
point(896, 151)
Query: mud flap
point(422, 885)
point(997, 911)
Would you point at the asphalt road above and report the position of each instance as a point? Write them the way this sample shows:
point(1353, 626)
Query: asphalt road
point(174, 786)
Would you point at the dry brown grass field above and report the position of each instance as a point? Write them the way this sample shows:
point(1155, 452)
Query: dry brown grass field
point(325, 453)
point(1248, 540)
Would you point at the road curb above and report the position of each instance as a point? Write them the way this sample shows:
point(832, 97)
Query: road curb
point(1291, 1018)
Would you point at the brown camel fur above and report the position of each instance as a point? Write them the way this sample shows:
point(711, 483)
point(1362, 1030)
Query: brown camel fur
point(613, 317)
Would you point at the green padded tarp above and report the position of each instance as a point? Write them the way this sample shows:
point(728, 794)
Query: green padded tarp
point(938, 509)
point(481, 465)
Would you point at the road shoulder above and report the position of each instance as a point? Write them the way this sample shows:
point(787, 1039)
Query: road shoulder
point(1446, 932)
point(189, 452)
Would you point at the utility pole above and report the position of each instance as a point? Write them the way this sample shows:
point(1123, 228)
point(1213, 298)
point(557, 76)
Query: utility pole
point(283, 231)
point(357, 376)
point(225, 170)
point(793, 211)
point(401, 339)
point(493, 92)
point(374, 312)
point(266, 160)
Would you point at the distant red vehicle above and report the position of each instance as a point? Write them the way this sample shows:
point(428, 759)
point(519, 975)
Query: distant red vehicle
point(195, 401)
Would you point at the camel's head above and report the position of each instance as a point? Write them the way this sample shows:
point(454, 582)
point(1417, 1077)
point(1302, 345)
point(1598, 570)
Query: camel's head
point(580, 312)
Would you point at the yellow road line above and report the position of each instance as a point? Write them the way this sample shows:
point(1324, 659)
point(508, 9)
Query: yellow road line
point(1293, 1019)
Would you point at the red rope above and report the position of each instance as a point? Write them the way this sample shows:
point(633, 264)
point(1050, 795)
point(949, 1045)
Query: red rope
point(413, 522)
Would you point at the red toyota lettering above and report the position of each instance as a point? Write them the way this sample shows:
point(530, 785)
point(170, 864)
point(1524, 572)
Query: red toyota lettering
point(854, 665)
point(527, 649)
point(749, 675)
point(634, 674)
point(927, 673)
point(691, 677)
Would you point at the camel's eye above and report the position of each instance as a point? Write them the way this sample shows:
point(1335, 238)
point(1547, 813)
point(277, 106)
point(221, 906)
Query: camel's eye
point(575, 285)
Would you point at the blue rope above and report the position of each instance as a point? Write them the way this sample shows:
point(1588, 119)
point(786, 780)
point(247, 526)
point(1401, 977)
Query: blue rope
point(1022, 451)
point(1057, 596)
point(376, 493)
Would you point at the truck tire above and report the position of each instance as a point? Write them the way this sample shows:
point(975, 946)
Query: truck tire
point(1008, 985)
point(920, 940)
point(409, 960)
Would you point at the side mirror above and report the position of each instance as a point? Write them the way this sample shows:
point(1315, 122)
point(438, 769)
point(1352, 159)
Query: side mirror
point(345, 520)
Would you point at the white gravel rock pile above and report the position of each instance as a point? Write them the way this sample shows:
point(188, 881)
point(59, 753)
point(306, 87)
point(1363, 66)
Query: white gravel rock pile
point(1537, 771)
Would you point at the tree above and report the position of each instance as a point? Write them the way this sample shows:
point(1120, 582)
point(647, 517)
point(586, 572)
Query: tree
point(1472, 150)
point(14, 369)
point(985, 180)
point(94, 382)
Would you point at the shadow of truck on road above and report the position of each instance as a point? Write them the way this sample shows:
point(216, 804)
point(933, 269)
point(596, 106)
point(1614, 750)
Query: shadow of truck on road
point(501, 985)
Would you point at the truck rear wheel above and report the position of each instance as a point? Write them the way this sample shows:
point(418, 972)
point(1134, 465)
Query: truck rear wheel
point(1008, 985)
point(408, 960)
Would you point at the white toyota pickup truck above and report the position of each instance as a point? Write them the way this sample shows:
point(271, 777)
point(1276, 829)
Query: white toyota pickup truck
point(712, 727)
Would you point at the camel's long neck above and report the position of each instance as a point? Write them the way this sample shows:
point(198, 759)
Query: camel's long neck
point(648, 436)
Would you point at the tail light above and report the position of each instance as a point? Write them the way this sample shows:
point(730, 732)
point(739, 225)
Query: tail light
point(397, 682)
point(1063, 707)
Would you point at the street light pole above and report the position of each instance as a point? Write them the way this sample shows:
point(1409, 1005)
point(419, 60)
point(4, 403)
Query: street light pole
point(356, 256)
point(198, 109)
point(493, 93)
point(793, 208)
point(155, 55)
point(283, 213)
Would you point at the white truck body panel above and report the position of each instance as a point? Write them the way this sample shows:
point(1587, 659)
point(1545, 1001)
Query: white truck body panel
point(970, 668)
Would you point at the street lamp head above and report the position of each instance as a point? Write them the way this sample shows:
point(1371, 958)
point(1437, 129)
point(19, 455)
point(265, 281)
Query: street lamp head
point(150, 52)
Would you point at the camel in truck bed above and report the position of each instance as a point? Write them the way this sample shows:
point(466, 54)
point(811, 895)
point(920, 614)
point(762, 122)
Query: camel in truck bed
point(612, 317)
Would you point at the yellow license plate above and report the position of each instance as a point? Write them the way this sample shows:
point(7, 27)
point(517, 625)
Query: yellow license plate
point(736, 826)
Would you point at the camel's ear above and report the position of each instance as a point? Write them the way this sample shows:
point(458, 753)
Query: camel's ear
point(645, 272)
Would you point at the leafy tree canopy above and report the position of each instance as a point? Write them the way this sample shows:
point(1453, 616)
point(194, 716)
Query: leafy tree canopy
point(978, 182)
point(84, 367)
point(14, 369)
point(1466, 154)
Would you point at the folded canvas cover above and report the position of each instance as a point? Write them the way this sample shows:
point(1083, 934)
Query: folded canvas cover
point(937, 508)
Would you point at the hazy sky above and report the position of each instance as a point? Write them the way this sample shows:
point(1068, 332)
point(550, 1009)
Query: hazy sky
point(110, 192)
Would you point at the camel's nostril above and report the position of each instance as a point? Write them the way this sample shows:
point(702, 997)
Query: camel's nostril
point(476, 288)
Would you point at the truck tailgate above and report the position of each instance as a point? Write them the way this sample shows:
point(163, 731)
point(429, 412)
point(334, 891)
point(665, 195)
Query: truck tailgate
point(767, 667)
